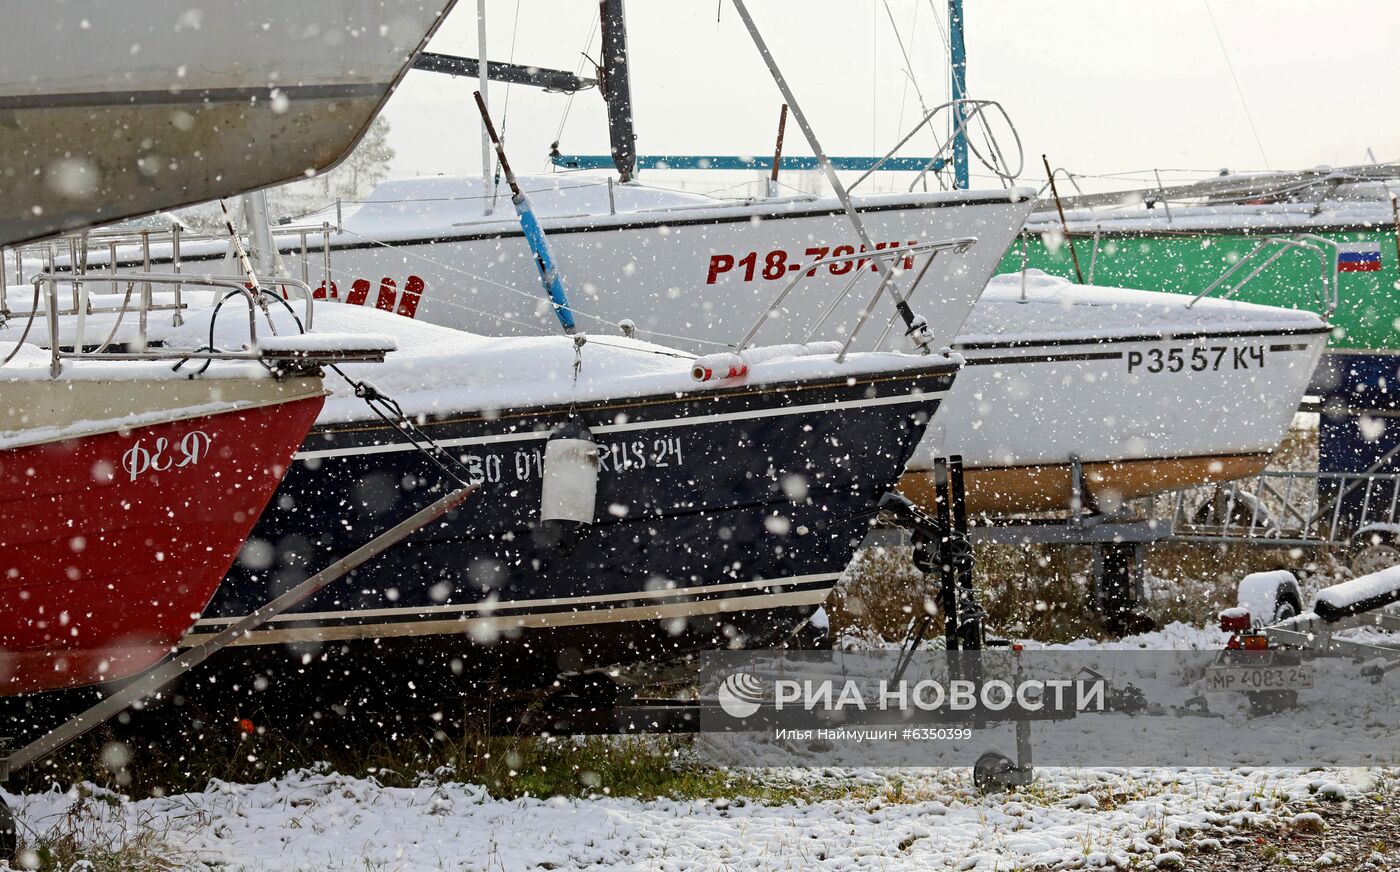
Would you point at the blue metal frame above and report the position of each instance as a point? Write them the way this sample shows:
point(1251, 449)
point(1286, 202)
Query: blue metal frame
point(738, 162)
point(957, 58)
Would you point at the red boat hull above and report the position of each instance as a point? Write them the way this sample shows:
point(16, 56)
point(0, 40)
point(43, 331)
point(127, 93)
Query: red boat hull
point(112, 543)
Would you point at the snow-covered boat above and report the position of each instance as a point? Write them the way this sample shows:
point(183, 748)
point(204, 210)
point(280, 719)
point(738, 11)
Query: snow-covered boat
point(672, 265)
point(189, 102)
point(126, 491)
point(1282, 236)
point(1147, 392)
point(724, 512)
point(128, 487)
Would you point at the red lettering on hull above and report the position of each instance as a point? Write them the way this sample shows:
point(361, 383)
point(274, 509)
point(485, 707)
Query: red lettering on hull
point(359, 292)
point(412, 291)
point(387, 291)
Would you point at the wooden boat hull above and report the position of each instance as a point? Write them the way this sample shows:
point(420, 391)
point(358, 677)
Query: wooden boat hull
point(1047, 487)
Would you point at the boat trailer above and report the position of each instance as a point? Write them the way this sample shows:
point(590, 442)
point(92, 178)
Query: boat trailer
point(1269, 623)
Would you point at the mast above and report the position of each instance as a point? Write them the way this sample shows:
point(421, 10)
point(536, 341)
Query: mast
point(957, 59)
point(483, 77)
point(617, 88)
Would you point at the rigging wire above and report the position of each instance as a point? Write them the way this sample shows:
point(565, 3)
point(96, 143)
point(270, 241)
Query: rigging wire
point(514, 32)
point(908, 66)
point(1238, 90)
point(947, 70)
point(514, 290)
point(874, 80)
point(578, 71)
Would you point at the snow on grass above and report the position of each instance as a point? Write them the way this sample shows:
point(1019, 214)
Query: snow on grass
point(906, 820)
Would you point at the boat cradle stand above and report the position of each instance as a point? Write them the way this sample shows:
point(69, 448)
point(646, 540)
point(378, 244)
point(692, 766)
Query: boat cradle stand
point(943, 552)
point(1117, 540)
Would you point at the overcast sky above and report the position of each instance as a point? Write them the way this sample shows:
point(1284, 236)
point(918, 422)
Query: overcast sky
point(1102, 86)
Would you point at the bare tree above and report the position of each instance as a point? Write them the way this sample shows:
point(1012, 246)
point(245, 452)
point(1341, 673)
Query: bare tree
point(367, 165)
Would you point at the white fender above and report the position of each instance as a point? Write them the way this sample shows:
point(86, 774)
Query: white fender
point(570, 481)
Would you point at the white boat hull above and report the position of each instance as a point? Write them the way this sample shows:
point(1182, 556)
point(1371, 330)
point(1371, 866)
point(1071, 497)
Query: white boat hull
point(117, 109)
point(670, 271)
point(1142, 414)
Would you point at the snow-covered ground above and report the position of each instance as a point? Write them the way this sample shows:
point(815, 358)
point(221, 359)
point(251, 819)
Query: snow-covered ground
point(907, 820)
point(840, 819)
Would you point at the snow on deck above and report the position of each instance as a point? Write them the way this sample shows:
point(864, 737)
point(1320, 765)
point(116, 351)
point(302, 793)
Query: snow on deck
point(1349, 204)
point(402, 209)
point(1056, 308)
point(431, 369)
point(439, 369)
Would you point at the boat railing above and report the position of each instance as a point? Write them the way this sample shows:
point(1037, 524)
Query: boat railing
point(974, 116)
point(1270, 249)
point(140, 305)
point(1283, 507)
point(901, 259)
point(117, 249)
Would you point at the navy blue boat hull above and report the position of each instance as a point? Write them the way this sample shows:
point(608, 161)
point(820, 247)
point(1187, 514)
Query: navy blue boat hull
point(723, 518)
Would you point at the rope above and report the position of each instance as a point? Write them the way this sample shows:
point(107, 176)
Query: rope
point(213, 319)
point(126, 302)
point(391, 413)
point(33, 312)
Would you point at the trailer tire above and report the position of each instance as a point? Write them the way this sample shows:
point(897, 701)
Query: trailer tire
point(991, 773)
point(1270, 597)
point(1373, 550)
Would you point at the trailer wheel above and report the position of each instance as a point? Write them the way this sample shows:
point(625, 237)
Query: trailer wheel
point(9, 834)
point(1270, 597)
point(1373, 549)
point(991, 773)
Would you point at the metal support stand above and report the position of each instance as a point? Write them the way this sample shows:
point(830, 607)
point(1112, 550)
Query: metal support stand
point(941, 549)
point(158, 677)
point(1118, 584)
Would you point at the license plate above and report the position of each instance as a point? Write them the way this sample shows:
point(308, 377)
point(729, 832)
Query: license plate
point(1223, 679)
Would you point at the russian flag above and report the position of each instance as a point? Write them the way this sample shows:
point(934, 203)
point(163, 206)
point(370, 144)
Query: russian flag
point(1359, 257)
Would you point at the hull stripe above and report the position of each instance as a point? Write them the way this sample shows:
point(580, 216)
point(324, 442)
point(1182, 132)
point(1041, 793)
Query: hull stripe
point(537, 620)
point(1144, 337)
point(540, 435)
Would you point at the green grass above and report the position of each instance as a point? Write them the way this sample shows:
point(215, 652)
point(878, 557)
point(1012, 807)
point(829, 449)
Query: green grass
point(643, 767)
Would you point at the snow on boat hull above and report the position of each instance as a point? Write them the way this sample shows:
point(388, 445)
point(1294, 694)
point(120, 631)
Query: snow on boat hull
point(114, 534)
point(724, 517)
point(1164, 397)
